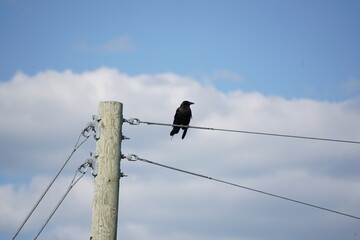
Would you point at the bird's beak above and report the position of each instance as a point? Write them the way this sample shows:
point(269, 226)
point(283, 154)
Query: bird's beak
point(191, 103)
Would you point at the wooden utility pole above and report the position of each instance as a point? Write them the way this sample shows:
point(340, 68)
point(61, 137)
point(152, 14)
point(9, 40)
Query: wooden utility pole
point(106, 192)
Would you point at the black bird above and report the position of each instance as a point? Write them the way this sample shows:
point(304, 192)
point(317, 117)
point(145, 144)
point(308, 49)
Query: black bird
point(182, 117)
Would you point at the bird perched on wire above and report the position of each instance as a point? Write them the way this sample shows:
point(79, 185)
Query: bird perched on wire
point(182, 117)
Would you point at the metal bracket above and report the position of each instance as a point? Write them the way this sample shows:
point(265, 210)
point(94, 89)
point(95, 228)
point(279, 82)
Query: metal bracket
point(125, 137)
point(122, 175)
point(130, 157)
point(92, 127)
point(92, 163)
point(133, 121)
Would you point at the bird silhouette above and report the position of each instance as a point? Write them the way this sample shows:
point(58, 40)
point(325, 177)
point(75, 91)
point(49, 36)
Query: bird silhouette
point(182, 117)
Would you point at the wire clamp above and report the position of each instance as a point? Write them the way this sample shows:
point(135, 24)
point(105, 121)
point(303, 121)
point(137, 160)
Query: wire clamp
point(125, 137)
point(122, 175)
point(131, 157)
point(92, 163)
point(133, 121)
point(92, 127)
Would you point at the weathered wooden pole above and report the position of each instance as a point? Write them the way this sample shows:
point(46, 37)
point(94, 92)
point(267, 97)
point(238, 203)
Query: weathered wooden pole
point(106, 192)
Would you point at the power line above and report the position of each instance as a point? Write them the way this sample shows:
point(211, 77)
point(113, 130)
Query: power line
point(135, 121)
point(91, 128)
point(77, 145)
point(133, 157)
point(72, 184)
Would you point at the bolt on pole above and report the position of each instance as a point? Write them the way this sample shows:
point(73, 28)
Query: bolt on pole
point(106, 184)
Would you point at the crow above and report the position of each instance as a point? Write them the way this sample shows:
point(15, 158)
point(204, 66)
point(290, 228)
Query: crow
point(182, 117)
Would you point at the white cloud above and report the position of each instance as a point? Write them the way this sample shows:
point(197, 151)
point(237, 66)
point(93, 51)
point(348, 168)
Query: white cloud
point(18, 199)
point(42, 116)
point(119, 44)
point(352, 85)
point(18, 4)
point(224, 74)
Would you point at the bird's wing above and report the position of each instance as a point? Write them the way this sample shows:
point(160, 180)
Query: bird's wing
point(178, 118)
point(186, 117)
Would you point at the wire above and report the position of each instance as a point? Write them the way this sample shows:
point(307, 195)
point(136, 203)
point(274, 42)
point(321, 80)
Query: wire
point(72, 184)
point(135, 121)
point(134, 158)
point(77, 145)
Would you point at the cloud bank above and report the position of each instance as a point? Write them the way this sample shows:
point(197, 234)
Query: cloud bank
point(42, 115)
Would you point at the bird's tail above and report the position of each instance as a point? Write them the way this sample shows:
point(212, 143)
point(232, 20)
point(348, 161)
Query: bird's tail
point(174, 131)
point(184, 133)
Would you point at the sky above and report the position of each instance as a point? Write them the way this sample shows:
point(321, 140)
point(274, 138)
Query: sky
point(285, 67)
point(290, 48)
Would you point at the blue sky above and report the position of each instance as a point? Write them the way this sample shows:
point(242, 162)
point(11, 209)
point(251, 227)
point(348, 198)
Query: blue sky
point(294, 49)
point(285, 67)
